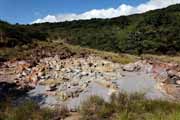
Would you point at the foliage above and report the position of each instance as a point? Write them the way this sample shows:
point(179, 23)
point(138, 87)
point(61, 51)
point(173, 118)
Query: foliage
point(129, 107)
point(30, 111)
point(13, 35)
point(152, 32)
point(156, 31)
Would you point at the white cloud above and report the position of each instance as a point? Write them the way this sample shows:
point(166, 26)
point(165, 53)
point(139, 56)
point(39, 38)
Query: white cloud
point(109, 13)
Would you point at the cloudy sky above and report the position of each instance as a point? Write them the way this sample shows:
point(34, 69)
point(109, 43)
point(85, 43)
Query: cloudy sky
point(36, 11)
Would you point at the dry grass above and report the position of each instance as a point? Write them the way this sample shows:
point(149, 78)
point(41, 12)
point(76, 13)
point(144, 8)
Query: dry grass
point(33, 51)
point(114, 57)
point(50, 82)
point(164, 58)
point(31, 111)
point(117, 58)
point(129, 107)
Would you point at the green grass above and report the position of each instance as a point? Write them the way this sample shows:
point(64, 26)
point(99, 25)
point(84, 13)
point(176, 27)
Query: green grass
point(120, 107)
point(30, 111)
point(129, 107)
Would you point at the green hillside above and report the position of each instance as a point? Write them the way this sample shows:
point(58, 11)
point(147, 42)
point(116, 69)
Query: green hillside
point(152, 32)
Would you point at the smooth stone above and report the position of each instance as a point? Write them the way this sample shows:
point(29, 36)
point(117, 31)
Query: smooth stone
point(178, 82)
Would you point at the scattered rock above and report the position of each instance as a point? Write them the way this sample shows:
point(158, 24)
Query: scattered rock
point(132, 67)
point(67, 78)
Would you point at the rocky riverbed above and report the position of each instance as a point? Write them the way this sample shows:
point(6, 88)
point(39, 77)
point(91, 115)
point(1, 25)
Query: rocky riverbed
point(55, 81)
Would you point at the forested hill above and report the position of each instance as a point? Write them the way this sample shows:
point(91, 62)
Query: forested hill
point(156, 31)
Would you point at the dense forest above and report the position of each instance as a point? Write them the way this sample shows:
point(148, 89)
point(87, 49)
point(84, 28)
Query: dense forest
point(156, 31)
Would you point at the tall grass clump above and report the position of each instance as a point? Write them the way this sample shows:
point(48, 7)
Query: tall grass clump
point(129, 107)
point(31, 111)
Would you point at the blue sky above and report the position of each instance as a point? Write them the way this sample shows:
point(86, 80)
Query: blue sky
point(27, 11)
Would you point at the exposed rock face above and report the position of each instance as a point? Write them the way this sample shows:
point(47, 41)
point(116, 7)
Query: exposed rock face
point(162, 72)
point(166, 74)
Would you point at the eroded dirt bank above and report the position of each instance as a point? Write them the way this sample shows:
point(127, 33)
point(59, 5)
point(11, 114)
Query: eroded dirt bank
point(55, 81)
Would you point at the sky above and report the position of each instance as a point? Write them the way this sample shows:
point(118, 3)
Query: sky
point(38, 11)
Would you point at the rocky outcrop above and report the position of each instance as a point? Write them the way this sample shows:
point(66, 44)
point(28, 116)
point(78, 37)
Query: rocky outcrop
point(68, 78)
point(167, 75)
point(163, 72)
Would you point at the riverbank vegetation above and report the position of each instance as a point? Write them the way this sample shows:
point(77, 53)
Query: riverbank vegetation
point(120, 107)
point(129, 107)
point(30, 111)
